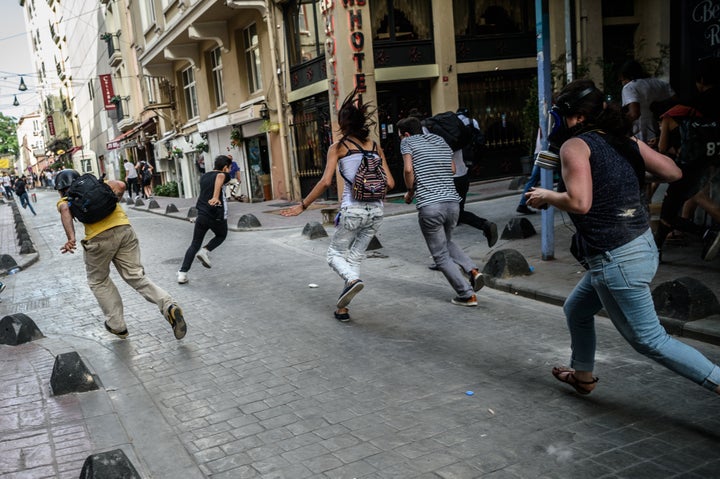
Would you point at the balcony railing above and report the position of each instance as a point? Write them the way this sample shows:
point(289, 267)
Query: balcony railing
point(114, 55)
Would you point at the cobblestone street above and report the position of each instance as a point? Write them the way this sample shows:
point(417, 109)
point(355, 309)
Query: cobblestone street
point(268, 384)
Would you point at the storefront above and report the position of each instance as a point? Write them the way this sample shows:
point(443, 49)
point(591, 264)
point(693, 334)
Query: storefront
point(312, 136)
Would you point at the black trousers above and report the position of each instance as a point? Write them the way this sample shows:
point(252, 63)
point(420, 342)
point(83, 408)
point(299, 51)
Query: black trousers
point(462, 185)
point(202, 225)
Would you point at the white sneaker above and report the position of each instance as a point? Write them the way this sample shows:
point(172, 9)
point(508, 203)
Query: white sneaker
point(204, 257)
point(182, 277)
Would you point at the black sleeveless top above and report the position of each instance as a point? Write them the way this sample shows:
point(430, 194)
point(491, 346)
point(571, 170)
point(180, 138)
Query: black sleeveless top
point(207, 188)
point(618, 213)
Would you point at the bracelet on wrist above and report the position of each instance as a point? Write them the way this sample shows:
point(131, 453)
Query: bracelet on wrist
point(302, 203)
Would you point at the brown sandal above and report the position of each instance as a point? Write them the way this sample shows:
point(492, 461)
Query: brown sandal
point(582, 387)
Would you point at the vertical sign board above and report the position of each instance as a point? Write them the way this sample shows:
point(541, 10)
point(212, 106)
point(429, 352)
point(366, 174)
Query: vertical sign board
point(107, 91)
point(695, 34)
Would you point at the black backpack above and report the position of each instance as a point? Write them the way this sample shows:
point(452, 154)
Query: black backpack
point(90, 199)
point(699, 141)
point(450, 128)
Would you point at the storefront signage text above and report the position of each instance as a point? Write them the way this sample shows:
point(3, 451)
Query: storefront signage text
point(357, 44)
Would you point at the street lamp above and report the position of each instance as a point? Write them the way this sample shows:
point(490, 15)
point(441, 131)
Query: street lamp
point(22, 86)
point(16, 102)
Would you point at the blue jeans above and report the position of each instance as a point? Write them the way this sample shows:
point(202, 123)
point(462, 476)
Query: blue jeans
point(356, 227)
point(619, 281)
point(531, 182)
point(25, 201)
point(437, 221)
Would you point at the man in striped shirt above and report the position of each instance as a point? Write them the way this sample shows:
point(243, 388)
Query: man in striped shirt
point(428, 173)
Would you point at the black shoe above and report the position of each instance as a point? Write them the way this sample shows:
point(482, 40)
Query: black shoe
point(711, 245)
point(434, 267)
point(477, 280)
point(2, 287)
point(349, 293)
point(490, 231)
point(342, 317)
point(174, 316)
point(120, 334)
point(524, 210)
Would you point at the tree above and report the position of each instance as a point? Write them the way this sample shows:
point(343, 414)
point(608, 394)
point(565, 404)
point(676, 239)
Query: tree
point(8, 136)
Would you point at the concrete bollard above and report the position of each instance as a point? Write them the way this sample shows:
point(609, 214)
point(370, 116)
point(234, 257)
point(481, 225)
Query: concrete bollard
point(685, 299)
point(374, 244)
point(518, 228)
point(70, 375)
point(192, 212)
point(129, 201)
point(139, 202)
point(18, 329)
point(248, 221)
point(108, 465)
point(171, 208)
point(7, 262)
point(314, 230)
point(27, 247)
point(153, 205)
point(506, 263)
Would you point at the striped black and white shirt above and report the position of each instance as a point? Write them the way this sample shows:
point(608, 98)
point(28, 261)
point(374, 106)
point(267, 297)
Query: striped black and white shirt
point(432, 164)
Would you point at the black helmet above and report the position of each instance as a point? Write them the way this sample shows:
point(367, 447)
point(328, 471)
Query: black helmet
point(65, 178)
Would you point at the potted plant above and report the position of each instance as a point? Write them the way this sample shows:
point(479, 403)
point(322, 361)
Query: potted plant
point(116, 99)
point(236, 137)
point(106, 36)
point(202, 147)
point(177, 152)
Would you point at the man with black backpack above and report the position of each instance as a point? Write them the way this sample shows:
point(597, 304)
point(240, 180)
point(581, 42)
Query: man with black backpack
point(109, 238)
point(462, 134)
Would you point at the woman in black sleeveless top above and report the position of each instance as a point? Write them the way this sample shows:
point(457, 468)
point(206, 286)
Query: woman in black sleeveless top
point(602, 173)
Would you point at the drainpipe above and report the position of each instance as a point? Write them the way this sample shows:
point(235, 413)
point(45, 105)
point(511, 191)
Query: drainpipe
point(268, 15)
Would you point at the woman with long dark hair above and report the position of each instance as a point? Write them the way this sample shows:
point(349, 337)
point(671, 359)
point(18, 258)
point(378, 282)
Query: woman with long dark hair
point(601, 189)
point(357, 221)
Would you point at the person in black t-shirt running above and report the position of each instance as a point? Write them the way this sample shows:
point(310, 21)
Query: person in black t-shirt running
point(212, 215)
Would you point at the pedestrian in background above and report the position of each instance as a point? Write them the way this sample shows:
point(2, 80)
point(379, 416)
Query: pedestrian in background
point(358, 221)
point(534, 179)
point(601, 189)
point(21, 192)
point(428, 172)
point(131, 179)
point(145, 175)
point(461, 178)
point(212, 215)
point(639, 92)
point(694, 187)
point(113, 240)
point(7, 185)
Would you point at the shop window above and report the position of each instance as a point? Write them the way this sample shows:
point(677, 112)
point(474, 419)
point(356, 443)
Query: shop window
point(253, 64)
point(491, 17)
point(303, 22)
point(401, 20)
point(190, 92)
point(216, 72)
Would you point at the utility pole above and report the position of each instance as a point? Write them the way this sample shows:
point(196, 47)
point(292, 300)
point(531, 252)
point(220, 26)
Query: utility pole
point(542, 30)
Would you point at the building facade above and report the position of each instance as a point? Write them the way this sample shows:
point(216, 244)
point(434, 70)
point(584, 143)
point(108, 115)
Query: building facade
point(178, 82)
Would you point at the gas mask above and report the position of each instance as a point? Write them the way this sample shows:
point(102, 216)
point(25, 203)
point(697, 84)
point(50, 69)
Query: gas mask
point(558, 130)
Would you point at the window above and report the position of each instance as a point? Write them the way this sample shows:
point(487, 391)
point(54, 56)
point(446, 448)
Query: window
point(147, 14)
point(489, 17)
point(401, 20)
point(216, 70)
point(150, 83)
point(252, 58)
point(91, 89)
point(188, 81)
point(304, 23)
